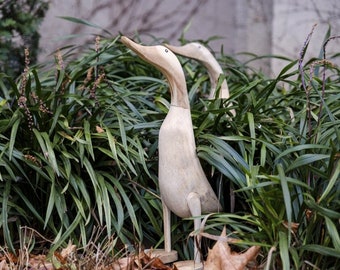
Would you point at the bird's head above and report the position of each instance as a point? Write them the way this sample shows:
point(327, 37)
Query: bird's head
point(159, 56)
point(167, 62)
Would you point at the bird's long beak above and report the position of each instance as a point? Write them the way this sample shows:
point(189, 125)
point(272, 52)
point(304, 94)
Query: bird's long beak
point(144, 52)
point(184, 50)
point(130, 44)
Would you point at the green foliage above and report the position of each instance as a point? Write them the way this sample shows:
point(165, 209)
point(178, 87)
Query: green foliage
point(78, 148)
point(19, 24)
point(73, 150)
point(281, 156)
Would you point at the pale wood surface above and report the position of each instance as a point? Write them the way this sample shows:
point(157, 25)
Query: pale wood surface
point(184, 187)
point(200, 53)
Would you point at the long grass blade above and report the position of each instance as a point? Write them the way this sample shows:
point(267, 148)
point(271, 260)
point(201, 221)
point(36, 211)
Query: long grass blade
point(286, 198)
point(12, 140)
point(4, 215)
point(332, 181)
point(284, 254)
point(320, 249)
point(306, 160)
point(84, 22)
point(333, 233)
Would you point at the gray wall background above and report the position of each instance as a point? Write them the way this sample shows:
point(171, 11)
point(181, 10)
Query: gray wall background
point(257, 26)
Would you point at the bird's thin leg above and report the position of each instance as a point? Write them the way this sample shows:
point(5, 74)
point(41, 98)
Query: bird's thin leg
point(167, 227)
point(194, 204)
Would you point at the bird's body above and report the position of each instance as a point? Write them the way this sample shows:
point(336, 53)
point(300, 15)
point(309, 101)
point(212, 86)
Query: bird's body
point(180, 171)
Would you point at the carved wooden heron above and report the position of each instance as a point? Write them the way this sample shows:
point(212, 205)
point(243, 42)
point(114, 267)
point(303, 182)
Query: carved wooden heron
point(183, 185)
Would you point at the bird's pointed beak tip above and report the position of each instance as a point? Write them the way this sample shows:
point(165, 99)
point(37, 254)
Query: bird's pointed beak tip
point(131, 44)
point(125, 40)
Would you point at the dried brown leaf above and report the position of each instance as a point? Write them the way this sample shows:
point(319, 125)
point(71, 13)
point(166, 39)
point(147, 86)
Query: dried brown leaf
point(294, 226)
point(68, 251)
point(99, 129)
point(142, 261)
point(220, 257)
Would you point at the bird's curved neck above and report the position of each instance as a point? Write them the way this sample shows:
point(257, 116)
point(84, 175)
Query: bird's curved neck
point(178, 91)
point(214, 70)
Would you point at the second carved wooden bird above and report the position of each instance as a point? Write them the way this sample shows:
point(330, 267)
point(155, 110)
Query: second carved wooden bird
point(201, 53)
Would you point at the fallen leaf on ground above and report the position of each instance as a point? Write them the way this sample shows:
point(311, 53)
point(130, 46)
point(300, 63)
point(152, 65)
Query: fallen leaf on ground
point(220, 257)
point(68, 251)
point(141, 261)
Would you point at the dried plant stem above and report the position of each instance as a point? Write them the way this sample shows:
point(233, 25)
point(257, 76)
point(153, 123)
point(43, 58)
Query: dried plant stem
point(322, 63)
point(270, 254)
point(306, 89)
point(301, 57)
point(22, 100)
point(97, 46)
point(324, 75)
point(304, 85)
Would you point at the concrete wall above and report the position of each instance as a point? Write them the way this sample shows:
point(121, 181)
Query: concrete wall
point(256, 26)
point(293, 21)
point(163, 19)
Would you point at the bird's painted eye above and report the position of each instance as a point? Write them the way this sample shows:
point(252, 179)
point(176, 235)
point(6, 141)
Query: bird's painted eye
point(166, 50)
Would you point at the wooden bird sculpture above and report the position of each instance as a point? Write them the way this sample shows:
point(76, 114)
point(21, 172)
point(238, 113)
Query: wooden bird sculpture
point(183, 185)
point(200, 53)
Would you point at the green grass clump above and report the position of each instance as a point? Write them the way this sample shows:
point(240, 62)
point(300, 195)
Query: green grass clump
point(73, 144)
